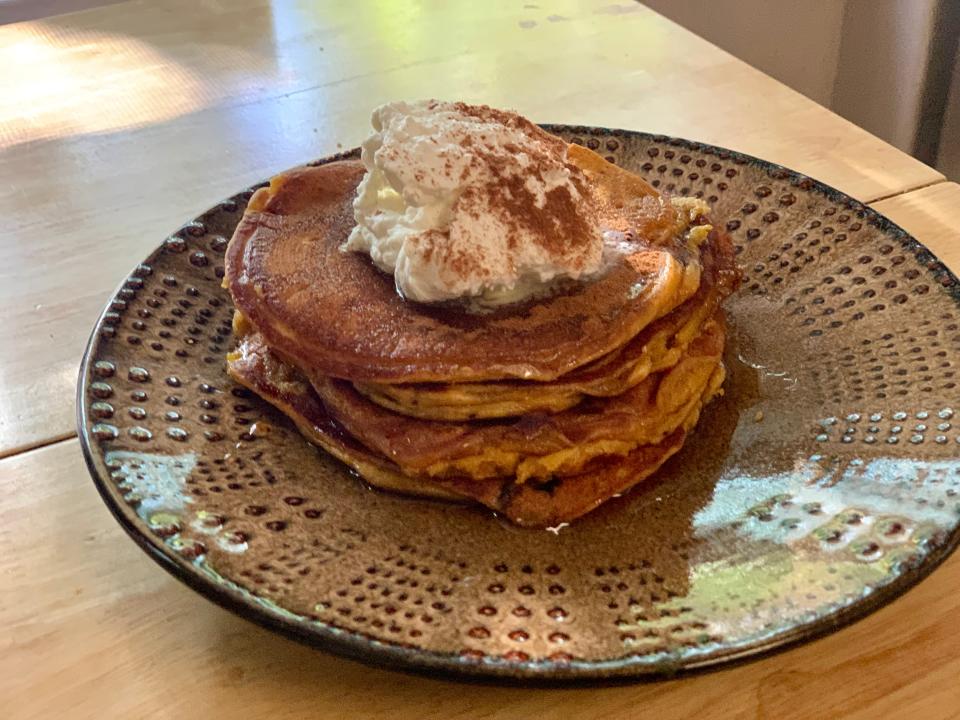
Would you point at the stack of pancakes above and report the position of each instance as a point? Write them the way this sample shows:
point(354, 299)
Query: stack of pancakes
point(540, 410)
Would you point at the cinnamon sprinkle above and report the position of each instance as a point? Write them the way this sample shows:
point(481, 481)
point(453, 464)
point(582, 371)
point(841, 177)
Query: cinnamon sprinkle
point(559, 225)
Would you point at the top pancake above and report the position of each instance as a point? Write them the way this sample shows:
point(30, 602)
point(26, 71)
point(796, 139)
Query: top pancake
point(336, 313)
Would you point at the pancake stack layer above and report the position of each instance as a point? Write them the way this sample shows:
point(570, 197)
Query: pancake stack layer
point(540, 410)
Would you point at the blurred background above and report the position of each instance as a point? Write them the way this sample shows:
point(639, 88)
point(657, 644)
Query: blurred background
point(889, 66)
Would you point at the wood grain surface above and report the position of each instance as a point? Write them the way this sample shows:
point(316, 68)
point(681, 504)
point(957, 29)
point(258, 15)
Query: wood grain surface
point(118, 124)
point(122, 123)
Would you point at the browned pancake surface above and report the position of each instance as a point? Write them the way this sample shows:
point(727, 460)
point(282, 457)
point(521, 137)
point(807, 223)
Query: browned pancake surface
point(255, 367)
point(338, 314)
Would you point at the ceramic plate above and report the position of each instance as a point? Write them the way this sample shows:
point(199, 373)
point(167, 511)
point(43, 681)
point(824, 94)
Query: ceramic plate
point(820, 486)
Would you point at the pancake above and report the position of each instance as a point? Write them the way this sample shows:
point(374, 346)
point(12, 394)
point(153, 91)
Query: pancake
point(656, 348)
point(564, 499)
point(536, 446)
point(541, 409)
point(530, 504)
point(255, 367)
point(335, 313)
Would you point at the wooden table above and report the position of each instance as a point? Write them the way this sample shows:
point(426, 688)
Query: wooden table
point(117, 124)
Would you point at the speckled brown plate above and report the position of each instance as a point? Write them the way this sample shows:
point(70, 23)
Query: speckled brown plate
point(821, 486)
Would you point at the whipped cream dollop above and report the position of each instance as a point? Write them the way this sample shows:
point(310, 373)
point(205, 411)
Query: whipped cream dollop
point(464, 201)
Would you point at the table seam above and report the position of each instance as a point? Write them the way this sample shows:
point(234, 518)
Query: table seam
point(38, 445)
point(916, 188)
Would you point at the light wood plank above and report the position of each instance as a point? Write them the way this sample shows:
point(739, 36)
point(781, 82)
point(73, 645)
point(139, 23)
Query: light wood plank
point(93, 629)
point(123, 122)
point(931, 216)
point(582, 61)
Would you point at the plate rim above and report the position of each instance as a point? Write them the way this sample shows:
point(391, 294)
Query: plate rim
point(617, 671)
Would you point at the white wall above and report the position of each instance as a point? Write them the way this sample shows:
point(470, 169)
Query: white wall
point(883, 60)
point(864, 59)
point(795, 41)
point(948, 162)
